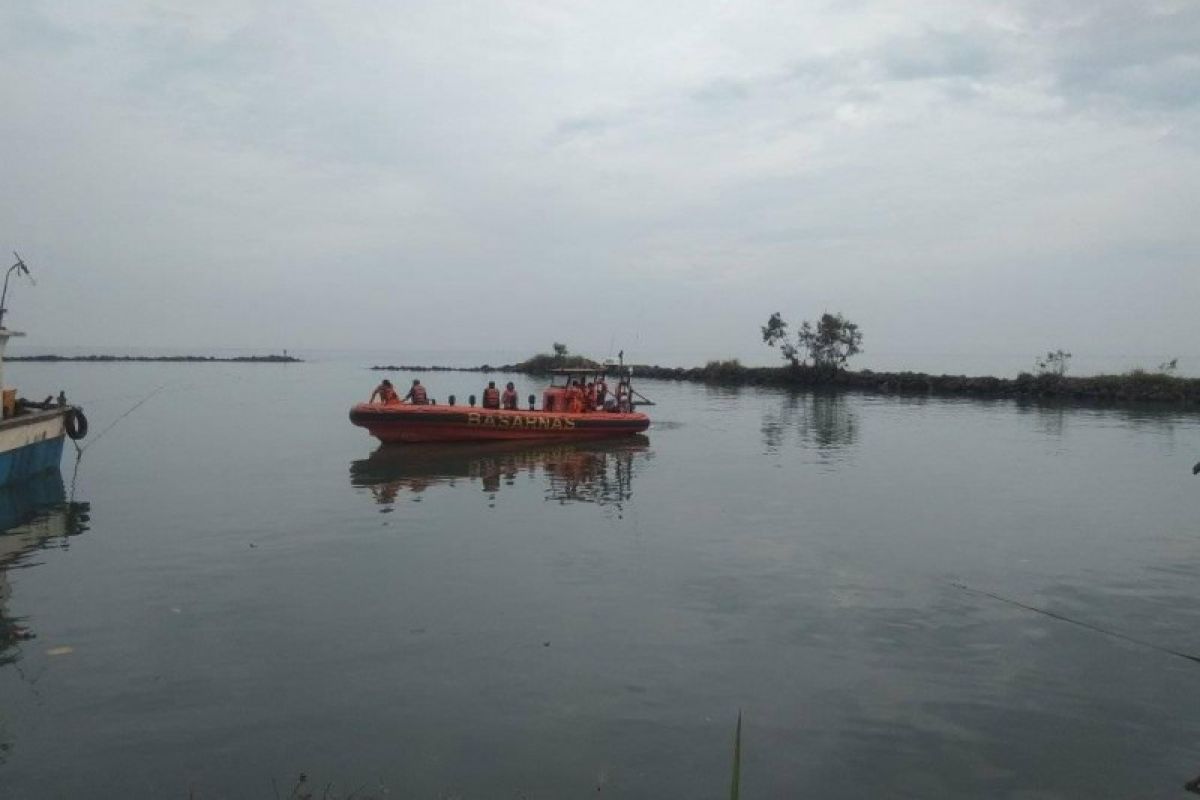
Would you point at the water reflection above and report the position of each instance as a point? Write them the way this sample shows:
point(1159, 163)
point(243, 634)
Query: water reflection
point(589, 472)
point(1051, 421)
point(34, 515)
point(1054, 419)
point(824, 422)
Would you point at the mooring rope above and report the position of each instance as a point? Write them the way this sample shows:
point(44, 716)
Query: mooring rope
point(79, 450)
point(1089, 626)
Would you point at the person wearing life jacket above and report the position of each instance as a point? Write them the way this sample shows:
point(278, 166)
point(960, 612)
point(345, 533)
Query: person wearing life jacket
point(416, 395)
point(491, 396)
point(508, 400)
point(386, 394)
point(574, 398)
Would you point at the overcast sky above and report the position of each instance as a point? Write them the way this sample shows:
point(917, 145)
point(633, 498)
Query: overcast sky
point(990, 178)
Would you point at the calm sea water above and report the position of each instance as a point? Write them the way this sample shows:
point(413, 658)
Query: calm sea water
point(253, 591)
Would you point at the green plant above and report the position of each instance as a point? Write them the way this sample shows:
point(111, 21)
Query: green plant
point(775, 334)
point(735, 784)
point(829, 343)
point(1054, 363)
point(1162, 376)
point(729, 369)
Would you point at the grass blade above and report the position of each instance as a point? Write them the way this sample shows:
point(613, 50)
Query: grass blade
point(736, 783)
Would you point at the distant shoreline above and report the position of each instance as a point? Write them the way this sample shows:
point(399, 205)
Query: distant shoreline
point(1137, 386)
point(273, 359)
point(414, 368)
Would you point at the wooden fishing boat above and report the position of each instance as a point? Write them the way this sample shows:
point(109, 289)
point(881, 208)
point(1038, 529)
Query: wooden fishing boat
point(31, 433)
point(557, 419)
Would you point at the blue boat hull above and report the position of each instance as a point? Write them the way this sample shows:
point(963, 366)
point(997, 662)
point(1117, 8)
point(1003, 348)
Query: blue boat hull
point(31, 459)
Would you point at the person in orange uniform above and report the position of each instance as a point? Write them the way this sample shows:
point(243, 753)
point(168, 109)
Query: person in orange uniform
point(491, 396)
point(386, 394)
point(509, 398)
point(574, 398)
point(416, 395)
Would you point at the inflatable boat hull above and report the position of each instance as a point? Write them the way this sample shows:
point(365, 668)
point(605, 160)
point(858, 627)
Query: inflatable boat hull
point(439, 423)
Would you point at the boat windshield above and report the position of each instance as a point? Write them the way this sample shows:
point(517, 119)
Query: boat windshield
point(617, 378)
point(563, 377)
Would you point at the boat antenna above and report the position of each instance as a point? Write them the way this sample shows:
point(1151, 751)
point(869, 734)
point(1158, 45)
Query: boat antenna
point(20, 267)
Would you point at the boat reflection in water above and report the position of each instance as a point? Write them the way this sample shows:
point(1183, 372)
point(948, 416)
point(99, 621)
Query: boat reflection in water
point(34, 515)
point(598, 472)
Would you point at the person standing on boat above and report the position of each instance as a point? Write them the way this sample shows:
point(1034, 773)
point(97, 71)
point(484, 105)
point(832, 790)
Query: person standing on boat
point(416, 395)
point(491, 396)
point(601, 392)
point(574, 398)
point(386, 394)
point(508, 400)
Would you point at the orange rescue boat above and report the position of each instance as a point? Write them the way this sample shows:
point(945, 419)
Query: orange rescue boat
point(560, 417)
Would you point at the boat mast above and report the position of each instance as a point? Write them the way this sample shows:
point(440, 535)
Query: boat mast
point(5, 333)
point(625, 378)
point(20, 265)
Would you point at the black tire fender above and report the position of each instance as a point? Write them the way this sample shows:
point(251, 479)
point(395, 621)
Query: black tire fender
point(76, 423)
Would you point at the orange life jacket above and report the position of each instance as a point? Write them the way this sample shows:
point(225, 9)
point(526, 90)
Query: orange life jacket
point(574, 400)
point(491, 397)
point(417, 393)
point(508, 399)
point(388, 396)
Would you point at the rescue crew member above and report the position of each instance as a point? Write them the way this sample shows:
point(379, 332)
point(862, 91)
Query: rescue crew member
point(589, 398)
point(509, 398)
point(574, 398)
point(416, 395)
point(386, 394)
point(601, 392)
point(491, 396)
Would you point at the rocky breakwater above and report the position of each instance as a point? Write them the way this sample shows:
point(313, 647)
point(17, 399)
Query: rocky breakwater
point(1135, 386)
